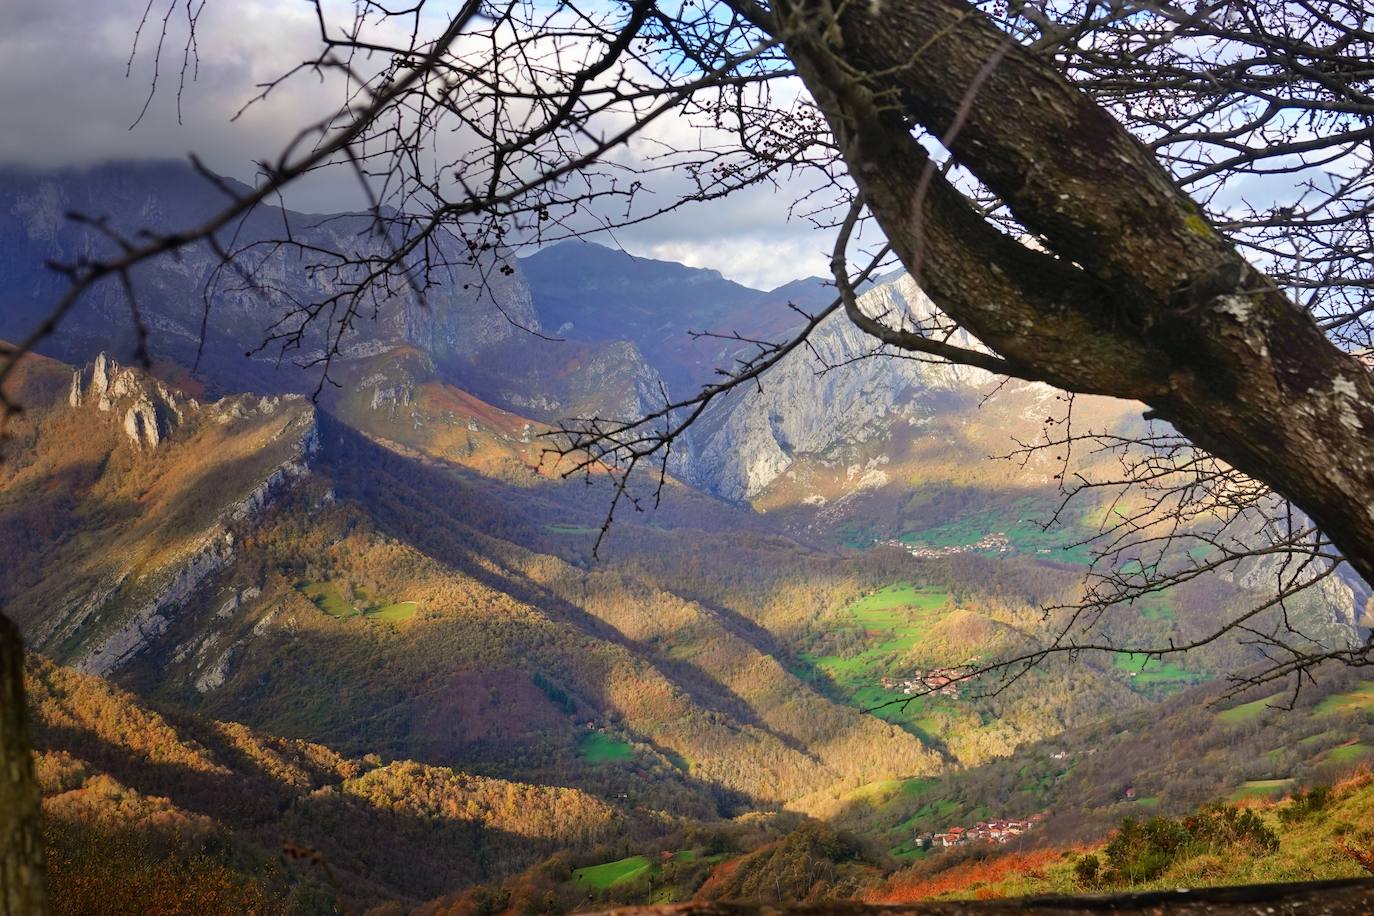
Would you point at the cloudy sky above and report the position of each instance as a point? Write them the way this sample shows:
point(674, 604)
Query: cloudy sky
point(70, 97)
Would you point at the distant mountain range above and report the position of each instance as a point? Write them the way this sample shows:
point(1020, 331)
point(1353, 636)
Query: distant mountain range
point(393, 587)
point(625, 326)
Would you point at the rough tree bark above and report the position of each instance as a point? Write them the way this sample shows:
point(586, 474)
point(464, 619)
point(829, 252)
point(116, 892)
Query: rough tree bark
point(23, 888)
point(1139, 297)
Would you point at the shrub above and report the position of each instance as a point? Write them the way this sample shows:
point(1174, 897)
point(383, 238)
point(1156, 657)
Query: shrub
point(1305, 803)
point(1219, 826)
point(1086, 869)
point(1142, 851)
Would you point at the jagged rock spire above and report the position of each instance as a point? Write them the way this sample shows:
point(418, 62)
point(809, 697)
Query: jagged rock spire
point(150, 408)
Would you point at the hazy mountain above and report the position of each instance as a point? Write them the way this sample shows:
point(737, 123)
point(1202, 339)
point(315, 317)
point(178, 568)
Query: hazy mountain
point(456, 326)
point(478, 328)
point(588, 292)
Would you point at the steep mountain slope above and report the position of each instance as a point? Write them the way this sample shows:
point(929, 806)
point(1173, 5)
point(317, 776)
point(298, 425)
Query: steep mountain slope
point(588, 292)
point(459, 323)
point(119, 496)
point(125, 788)
point(375, 600)
point(1314, 835)
point(401, 569)
point(389, 599)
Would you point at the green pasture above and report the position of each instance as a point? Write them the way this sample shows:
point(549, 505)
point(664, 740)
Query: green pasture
point(603, 876)
point(1349, 753)
point(599, 748)
point(1261, 788)
point(1155, 674)
point(401, 610)
point(1156, 607)
point(340, 601)
point(622, 871)
point(1021, 521)
point(328, 598)
point(1361, 697)
point(876, 794)
point(894, 619)
point(1246, 712)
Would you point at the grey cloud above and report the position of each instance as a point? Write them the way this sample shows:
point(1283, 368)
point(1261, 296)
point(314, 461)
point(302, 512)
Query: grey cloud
point(68, 101)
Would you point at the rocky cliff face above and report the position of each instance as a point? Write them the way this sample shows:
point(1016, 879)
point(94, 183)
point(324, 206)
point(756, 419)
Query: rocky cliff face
point(477, 329)
point(821, 399)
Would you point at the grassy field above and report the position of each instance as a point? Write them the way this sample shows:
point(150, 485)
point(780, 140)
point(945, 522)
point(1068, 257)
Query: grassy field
point(1149, 674)
point(603, 876)
point(1355, 700)
point(1349, 753)
point(1261, 788)
point(328, 598)
point(896, 617)
point(600, 748)
point(1156, 607)
point(1246, 711)
point(570, 529)
point(1310, 847)
point(622, 871)
point(401, 610)
point(341, 601)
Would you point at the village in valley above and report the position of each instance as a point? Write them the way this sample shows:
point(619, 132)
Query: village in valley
point(941, 681)
point(997, 542)
point(995, 831)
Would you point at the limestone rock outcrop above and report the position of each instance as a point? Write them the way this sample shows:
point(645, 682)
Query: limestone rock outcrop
point(822, 397)
point(148, 410)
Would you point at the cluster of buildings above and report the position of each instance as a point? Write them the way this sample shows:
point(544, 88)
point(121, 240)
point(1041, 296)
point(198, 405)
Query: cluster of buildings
point(991, 543)
point(994, 831)
point(936, 680)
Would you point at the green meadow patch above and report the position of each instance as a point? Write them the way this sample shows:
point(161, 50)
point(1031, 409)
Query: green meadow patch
point(1022, 521)
point(328, 598)
point(599, 748)
point(607, 874)
point(1246, 712)
point(1156, 607)
point(1361, 697)
point(570, 529)
point(342, 601)
point(893, 620)
point(879, 793)
point(892, 597)
point(623, 871)
point(1151, 675)
point(401, 610)
point(1261, 788)
point(1349, 753)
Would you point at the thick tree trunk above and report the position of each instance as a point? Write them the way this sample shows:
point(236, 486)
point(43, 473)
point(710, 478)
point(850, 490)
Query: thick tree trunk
point(23, 887)
point(1139, 296)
